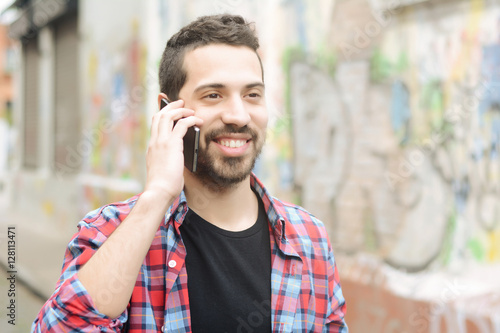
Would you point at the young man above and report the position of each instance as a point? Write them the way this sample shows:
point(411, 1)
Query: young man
point(209, 251)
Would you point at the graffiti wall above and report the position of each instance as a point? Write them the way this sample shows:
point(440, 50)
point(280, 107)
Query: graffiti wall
point(116, 88)
point(396, 140)
point(395, 136)
point(384, 122)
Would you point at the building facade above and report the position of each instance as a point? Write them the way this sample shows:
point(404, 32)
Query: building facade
point(384, 122)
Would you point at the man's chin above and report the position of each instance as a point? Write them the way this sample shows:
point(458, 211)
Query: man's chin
point(225, 175)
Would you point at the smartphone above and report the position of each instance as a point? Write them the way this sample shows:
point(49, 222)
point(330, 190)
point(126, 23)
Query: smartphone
point(191, 143)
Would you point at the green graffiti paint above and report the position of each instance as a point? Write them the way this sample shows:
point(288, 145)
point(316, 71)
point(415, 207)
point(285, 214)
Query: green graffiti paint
point(476, 249)
point(447, 248)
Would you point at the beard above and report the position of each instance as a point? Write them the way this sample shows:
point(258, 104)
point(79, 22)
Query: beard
point(222, 172)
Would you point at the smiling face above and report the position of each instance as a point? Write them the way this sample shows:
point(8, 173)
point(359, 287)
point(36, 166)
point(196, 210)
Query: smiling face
point(224, 86)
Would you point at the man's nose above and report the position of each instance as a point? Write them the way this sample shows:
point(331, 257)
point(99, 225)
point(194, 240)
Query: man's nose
point(235, 112)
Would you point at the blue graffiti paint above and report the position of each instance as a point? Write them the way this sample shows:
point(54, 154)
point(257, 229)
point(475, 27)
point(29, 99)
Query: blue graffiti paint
point(489, 106)
point(495, 134)
point(461, 189)
point(118, 85)
point(299, 8)
point(477, 149)
point(400, 111)
point(302, 27)
point(490, 71)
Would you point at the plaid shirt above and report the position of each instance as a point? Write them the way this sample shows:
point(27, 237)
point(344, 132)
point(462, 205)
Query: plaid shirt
point(306, 294)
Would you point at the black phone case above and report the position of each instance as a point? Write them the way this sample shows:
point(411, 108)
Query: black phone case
point(191, 145)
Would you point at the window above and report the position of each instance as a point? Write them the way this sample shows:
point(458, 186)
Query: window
point(30, 119)
point(67, 105)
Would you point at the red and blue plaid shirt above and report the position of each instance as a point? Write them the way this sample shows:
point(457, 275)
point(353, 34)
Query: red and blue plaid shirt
point(306, 294)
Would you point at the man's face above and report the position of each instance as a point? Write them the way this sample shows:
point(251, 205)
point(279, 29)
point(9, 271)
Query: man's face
point(224, 86)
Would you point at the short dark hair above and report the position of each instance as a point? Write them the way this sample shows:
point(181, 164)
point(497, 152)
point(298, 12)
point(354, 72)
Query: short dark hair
point(214, 29)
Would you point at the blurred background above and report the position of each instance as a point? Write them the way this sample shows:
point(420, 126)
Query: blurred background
point(384, 123)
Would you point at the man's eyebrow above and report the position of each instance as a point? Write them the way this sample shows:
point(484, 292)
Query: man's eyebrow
point(209, 85)
point(222, 86)
point(255, 85)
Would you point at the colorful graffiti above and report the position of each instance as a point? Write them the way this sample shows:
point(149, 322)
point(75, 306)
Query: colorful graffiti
point(387, 124)
point(399, 152)
point(118, 127)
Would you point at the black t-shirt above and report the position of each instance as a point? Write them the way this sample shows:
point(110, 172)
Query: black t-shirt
point(229, 275)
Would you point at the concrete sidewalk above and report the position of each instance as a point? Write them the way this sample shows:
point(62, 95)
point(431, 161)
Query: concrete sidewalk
point(39, 252)
point(27, 306)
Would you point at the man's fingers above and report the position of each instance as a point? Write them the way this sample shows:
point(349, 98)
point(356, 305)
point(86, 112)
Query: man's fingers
point(159, 116)
point(168, 118)
point(184, 123)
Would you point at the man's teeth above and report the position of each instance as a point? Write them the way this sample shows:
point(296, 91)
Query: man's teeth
point(232, 143)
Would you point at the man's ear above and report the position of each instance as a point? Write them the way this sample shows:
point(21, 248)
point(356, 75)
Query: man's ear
point(160, 97)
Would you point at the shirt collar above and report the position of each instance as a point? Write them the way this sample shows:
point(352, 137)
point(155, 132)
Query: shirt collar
point(272, 207)
point(178, 210)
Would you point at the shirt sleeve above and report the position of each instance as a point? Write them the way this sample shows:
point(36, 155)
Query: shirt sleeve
point(335, 321)
point(70, 308)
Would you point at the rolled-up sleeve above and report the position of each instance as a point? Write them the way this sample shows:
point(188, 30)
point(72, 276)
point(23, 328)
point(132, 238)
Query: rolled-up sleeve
point(335, 321)
point(70, 308)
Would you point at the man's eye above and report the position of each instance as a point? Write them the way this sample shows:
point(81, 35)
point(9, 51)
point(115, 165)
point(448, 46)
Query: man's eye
point(213, 96)
point(254, 96)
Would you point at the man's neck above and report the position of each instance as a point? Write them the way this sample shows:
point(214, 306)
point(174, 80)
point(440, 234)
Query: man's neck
point(234, 208)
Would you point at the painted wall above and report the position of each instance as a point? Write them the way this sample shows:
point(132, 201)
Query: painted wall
point(396, 141)
point(383, 123)
point(115, 90)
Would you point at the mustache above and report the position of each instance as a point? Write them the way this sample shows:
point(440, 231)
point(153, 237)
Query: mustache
point(230, 129)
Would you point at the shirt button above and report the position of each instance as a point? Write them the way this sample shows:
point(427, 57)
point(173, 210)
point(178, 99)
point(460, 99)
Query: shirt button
point(179, 209)
point(172, 263)
point(163, 328)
